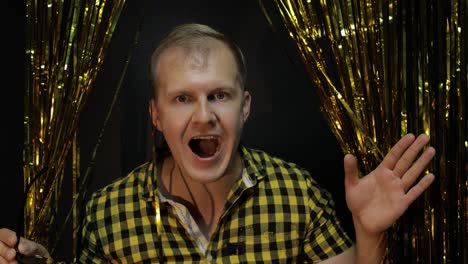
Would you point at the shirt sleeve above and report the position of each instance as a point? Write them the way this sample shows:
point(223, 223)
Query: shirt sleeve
point(325, 237)
point(90, 246)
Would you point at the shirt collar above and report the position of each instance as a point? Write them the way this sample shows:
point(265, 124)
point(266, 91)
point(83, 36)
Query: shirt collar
point(150, 181)
point(253, 164)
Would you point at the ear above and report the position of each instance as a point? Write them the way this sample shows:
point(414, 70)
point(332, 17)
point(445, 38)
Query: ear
point(154, 114)
point(246, 105)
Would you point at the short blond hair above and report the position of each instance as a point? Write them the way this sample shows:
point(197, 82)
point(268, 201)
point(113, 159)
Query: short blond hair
point(193, 37)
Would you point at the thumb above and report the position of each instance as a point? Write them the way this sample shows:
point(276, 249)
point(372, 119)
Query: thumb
point(29, 248)
point(351, 170)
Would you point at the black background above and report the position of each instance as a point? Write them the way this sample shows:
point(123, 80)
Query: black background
point(285, 117)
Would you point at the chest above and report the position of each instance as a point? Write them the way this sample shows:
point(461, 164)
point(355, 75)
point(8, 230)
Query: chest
point(252, 228)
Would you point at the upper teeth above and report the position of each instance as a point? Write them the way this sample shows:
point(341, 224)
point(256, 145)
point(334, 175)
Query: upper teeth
point(205, 137)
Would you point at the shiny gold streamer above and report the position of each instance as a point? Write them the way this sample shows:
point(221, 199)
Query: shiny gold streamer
point(383, 69)
point(66, 42)
point(76, 184)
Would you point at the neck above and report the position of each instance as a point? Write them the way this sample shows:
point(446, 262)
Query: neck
point(205, 201)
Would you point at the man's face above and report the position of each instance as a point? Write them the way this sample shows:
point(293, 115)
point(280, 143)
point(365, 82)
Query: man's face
point(201, 110)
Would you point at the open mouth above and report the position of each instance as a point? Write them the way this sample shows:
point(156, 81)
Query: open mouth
point(205, 146)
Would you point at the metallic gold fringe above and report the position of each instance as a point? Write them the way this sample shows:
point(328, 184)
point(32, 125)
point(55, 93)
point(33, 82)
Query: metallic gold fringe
point(383, 69)
point(66, 42)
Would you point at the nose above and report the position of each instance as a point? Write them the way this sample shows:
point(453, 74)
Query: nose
point(203, 112)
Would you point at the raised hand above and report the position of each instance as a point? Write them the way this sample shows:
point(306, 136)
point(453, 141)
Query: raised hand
point(378, 199)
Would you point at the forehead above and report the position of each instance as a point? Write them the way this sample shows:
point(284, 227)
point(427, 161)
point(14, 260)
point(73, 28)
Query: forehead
point(196, 52)
point(208, 65)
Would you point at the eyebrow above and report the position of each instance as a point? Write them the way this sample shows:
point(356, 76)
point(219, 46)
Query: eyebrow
point(211, 90)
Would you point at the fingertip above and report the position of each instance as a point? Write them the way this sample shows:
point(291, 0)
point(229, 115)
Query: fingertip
point(10, 254)
point(419, 188)
point(431, 150)
point(430, 153)
point(427, 180)
point(350, 168)
point(23, 247)
point(349, 158)
point(431, 177)
point(13, 240)
point(407, 140)
point(424, 137)
point(348, 161)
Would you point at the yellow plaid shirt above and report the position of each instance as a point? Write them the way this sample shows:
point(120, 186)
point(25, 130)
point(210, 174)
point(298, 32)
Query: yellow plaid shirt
point(276, 213)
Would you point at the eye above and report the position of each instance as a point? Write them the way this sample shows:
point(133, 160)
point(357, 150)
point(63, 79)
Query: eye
point(219, 96)
point(182, 98)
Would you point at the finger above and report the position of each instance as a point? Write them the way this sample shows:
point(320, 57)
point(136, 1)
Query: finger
point(351, 170)
point(6, 252)
point(4, 261)
point(397, 150)
point(418, 189)
point(25, 247)
point(418, 167)
point(28, 247)
point(8, 237)
point(3, 248)
point(410, 155)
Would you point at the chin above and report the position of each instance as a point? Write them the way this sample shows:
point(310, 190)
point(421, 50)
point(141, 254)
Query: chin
point(208, 174)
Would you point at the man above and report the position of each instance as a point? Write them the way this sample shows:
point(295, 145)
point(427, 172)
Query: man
point(210, 198)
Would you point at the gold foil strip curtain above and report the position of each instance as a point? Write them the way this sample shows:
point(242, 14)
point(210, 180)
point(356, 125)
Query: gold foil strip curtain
point(382, 69)
point(66, 42)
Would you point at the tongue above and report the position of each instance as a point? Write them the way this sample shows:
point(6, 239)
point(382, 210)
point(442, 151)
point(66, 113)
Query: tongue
point(206, 147)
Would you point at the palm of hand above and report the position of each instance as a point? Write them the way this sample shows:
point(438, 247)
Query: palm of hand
point(378, 199)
